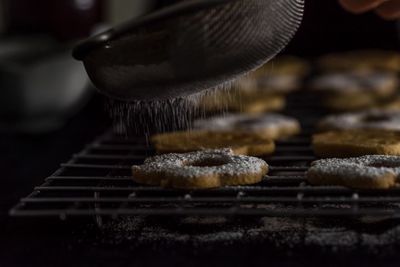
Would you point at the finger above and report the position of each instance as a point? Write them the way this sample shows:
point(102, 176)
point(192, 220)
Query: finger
point(389, 10)
point(360, 6)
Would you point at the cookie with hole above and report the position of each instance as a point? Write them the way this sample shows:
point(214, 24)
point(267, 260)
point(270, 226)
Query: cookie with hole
point(200, 170)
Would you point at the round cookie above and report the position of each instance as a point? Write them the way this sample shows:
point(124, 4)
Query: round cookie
point(349, 102)
point(285, 65)
point(272, 126)
point(372, 119)
point(367, 172)
point(242, 101)
point(258, 103)
point(380, 84)
point(241, 143)
point(364, 60)
point(274, 84)
point(200, 170)
point(351, 143)
point(280, 76)
point(354, 91)
point(392, 104)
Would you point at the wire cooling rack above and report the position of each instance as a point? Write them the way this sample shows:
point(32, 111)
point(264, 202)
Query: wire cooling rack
point(97, 181)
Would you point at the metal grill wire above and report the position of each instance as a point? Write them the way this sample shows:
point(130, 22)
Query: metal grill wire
point(98, 181)
point(195, 51)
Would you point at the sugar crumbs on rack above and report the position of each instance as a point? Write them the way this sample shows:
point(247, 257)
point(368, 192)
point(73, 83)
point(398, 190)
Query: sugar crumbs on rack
point(334, 235)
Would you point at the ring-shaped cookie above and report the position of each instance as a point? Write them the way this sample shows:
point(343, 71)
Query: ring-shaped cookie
point(246, 101)
point(200, 169)
point(273, 84)
point(372, 119)
point(379, 84)
point(367, 172)
point(242, 143)
point(270, 125)
point(362, 60)
point(354, 143)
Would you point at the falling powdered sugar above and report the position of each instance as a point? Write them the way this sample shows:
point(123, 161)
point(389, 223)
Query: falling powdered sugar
point(145, 117)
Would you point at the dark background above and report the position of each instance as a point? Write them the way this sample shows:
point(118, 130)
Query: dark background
point(326, 26)
point(25, 160)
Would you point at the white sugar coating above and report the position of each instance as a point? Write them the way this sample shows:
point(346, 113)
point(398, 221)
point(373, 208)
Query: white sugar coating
point(370, 166)
point(354, 82)
point(282, 232)
point(231, 122)
point(370, 119)
point(182, 164)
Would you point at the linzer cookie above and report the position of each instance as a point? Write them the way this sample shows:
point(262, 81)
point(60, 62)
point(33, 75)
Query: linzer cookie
point(200, 170)
point(280, 76)
point(273, 84)
point(361, 61)
point(252, 144)
point(285, 65)
point(376, 119)
point(367, 172)
point(351, 143)
point(242, 101)
point(377, 83)
point(392, 104)
point(349, 102)
point(351, 91)
point(258, 103)
point(272, 126)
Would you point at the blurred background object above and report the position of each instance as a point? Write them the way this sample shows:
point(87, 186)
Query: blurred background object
point(41, 85)
point(123, 10)
point(327, 28)
point(62, 19)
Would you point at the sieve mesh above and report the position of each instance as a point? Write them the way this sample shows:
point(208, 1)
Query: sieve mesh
point(190, 51)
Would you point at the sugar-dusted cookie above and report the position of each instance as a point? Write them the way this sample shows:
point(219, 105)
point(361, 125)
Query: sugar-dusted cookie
point(392, 104)
point(200, 170)
point(258, 103)
point(367, 172)
point(280, 76)
point(375, 83)
point(285, 65)
point(270, 125)
point(351, 143)
point(349, 102)
point(364, 60)
point(242, 101)
point(354, 91)
point(376, 119)
point(274, 84)
point(242, 143)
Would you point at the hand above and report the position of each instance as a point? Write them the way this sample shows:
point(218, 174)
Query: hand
point(387, 9)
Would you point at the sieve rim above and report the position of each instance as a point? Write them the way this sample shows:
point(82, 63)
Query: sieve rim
point(84, 47)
